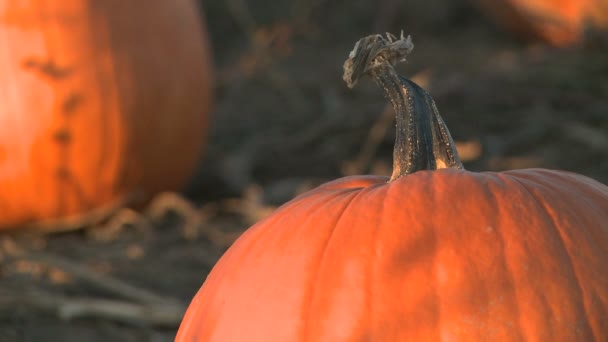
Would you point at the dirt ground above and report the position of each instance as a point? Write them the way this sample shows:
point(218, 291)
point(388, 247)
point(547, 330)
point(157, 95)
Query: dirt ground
point(284, 122)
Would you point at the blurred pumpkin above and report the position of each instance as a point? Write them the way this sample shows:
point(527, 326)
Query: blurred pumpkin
point(100, 100)
point(557, 22)
point(433, 253)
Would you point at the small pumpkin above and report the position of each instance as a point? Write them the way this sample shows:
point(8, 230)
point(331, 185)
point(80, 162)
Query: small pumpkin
point(556, 22)
point(101, 101)
point(434, 253)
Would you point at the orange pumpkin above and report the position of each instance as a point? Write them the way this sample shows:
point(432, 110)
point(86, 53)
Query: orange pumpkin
point(100, 100)
point(433, 253)
point(557, 22)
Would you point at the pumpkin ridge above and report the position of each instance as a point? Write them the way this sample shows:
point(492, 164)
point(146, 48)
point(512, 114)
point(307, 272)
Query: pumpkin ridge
point(563, 246)
point(112, 129)
point(504, 259)
point(310, 296)
point(369, 286)
point(545, 302)
point(410, 249)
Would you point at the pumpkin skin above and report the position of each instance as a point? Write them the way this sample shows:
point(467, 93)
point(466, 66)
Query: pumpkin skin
point(443, 255)
point(556, 22)
point(102, 99)
point(433, 253)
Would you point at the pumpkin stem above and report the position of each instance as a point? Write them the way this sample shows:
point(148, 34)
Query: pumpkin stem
point(423, 141)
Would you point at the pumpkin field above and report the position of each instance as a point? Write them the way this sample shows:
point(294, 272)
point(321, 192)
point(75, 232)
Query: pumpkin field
point(139, 140)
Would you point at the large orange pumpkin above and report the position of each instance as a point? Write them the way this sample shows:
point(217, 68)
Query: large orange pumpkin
point(557, 22)
point(435, 253)
point(100, 100)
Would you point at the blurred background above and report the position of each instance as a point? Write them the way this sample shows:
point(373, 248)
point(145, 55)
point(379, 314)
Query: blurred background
point(515, 92)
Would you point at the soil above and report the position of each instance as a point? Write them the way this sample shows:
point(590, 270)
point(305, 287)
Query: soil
point(284, 122)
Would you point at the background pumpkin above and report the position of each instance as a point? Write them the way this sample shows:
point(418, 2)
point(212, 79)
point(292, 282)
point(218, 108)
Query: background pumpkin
point(435, 253)
point(558, 22)
point(100, 100)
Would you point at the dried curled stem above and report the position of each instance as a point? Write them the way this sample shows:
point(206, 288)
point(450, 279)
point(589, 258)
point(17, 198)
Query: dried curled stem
point(423, 141)
point(375, 51)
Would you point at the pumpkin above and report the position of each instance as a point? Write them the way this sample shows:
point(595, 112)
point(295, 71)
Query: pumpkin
point(101, 101)
point(432, 253)
point(556, 22)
